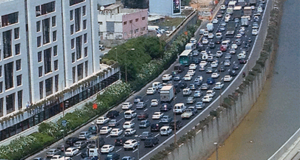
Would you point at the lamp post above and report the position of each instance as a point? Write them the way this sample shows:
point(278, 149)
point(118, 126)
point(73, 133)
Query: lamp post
point(132, 49)
point(216, 144)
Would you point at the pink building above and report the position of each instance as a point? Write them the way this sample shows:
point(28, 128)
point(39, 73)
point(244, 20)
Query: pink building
point(116, 22)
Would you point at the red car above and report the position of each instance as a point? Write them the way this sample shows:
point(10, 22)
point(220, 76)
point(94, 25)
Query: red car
point(223, 48)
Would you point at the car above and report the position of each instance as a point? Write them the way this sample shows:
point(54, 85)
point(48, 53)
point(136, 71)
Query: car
point(195, 52)
point(197, 81)
point(227, 56)
point(218, 40)
point(130, 144)
point(219, 85)
point(116, 132)
point(120, 141)
point(254, 32)
point(190, 100)
point(107, 148)
point(227, 17)
point(236, 20)
point(234, 46)
point(206, 99)
point(154, 103)
point(165, 130)
point(191, 72)
point(219, 15)
point(166, 77)
point(204, 41)
point(255, 25)
point(193, 40)
point(215, 75)
point(166, 119)
point(238, 35)
point(93, 129)
point(80, 144)
point(165, 107)
point(210, 81)
point(72, 151)
point(187, 77)
point(211, 45)
point(57, 157)
point(219, 35)
point(200, 105)
point(210, 36)
point(144, 124)
point(227, 63)
point(221, 68)
point(215, 21)
point(235, 67)
point(194, 109)
point(192, 66)
point(112, 114)
point(187, 114)
point(232, 51)
point(156, 126)
point(112, 156)
point(232, 72)
point(129, 132)
point(113, 123)
point(210, 93)
point(128, 158)
point(141, 105)
point(197, 94)
point(203, 63)
point(176, 78)
point(102, 120)
point(137, 99)
point(145, 135)
point(201, 68)
point(182, 85)
point(214, 64)
point(52, 152)
point(209, 70)
point(101, 47)
point(151, 141)
point(129, 114)
point(241, 56)
point(105, 130)
point(243, 61)
point(193, 86)
point(204, 86)
point(157, 115)
point(186, 91)
point(219, 54)
point(256, 18)
point(126, 105)
point(84, 134)
point(128, 124)
point(227, 78)
point(222, 28)
point(151, 90)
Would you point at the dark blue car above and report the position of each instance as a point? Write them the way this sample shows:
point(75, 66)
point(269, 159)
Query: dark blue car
point(210, 81)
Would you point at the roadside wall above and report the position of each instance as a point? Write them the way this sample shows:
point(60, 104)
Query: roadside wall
point(218, 129)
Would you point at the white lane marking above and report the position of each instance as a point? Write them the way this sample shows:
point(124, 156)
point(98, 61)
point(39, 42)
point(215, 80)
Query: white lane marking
point(145, 109)
point(119, 150)
point(107, 136)
point(156, 135)
point(120, 120)
point(147, 100)
point(135, 150)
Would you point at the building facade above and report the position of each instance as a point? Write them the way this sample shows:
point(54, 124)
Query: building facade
point(116, 22)
point(47, 48)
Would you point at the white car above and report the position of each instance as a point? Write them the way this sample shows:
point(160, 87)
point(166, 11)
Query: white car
point(165, 131)
point(234, 46)
point(192, 66)
point(128, 124)
point(210, 35)
point(219, 35)
point(254, 32)
point(154, 102)
point(227, 78)
point(219, 85)
point(219, 54)
point(215, 20)
point(238, 35)
point(223, 7)
point(126, 105)
point(187, 77)
point(206, 99)
point(129, 114)
point(241, 56)
point(227, 17)
point(227, 63)
point(205, 33)
point(72, 151)
point(157, 115)
point(204, 41)
point(215, 75)
point(167, 77)
point(210, 93)
point(107, 148)
point(130, 144)
point(105, 130)
point(129, 131)
point(214, 64)
point(102, 120)
point(57, 157)
point(186, 91)
point(116, 132)
point(151, 90)
point(203, 63)
point(191, 72)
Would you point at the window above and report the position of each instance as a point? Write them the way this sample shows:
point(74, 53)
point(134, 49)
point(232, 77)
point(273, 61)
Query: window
point(17, 34)
point(1, 107)
point(78, 47)
point(125, 23)
point(20, 99)
point(74, 74)
point(40, 71)
point(55, 65)
point(72, 43)
point(17, 49)
point(71, 15)
point(73, 57)
point(56, 83)
point(84, 24)
point(38, 41)
point(0, 71)
point(9, 19)
point(47, 60)
point(49, 86)
point(54, 35)
point(41, 89)
point(86, 68)
point(18, 64)
point(85, 38)
point(143, 18)
point(46, 30)
point(55, 51)
point(19, 80)
point(8, 75)
point(45, 8)
point(10, 103)
point(77, 19)
point(83, 10)
point(136, 20)
point(72, 2)
point(72, 29)
point(7, 41)
point(100, 23)
point(130, 21)
point(80, 71)
point(38, 26)
point(39, 54)
point(143, 28)
point(1, 87)
point(136, 30)
point(53, 21)
point(85, 52)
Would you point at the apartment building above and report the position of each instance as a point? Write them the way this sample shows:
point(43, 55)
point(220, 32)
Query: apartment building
point(46, 48)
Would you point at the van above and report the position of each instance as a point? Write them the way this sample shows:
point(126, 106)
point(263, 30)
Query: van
point(179, 108)
point(178, 68)
point(210, 27)
point(157, 85)
point(190, 46)
point(93, 152)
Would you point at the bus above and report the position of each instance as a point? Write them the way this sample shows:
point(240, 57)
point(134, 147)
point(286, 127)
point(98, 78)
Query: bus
point(186, 57)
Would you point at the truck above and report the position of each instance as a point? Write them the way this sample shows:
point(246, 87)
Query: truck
point(252, 2)
point(230, 29)
point(245, 21)
point(247, 11)
point(241, 3)
point(237, 12)
point(210, 27)
point(167, 93)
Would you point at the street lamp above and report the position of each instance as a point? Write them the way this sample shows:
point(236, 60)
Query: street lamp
point(97, 139)
point(132, 49)
point(216, 144)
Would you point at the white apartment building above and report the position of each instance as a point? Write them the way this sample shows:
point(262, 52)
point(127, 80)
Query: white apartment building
point(46, 47)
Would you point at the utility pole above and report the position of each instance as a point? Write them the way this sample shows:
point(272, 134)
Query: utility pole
point(174, 128)
point(216, 144)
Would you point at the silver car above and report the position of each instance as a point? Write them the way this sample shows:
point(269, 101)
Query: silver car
point(190, 100)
